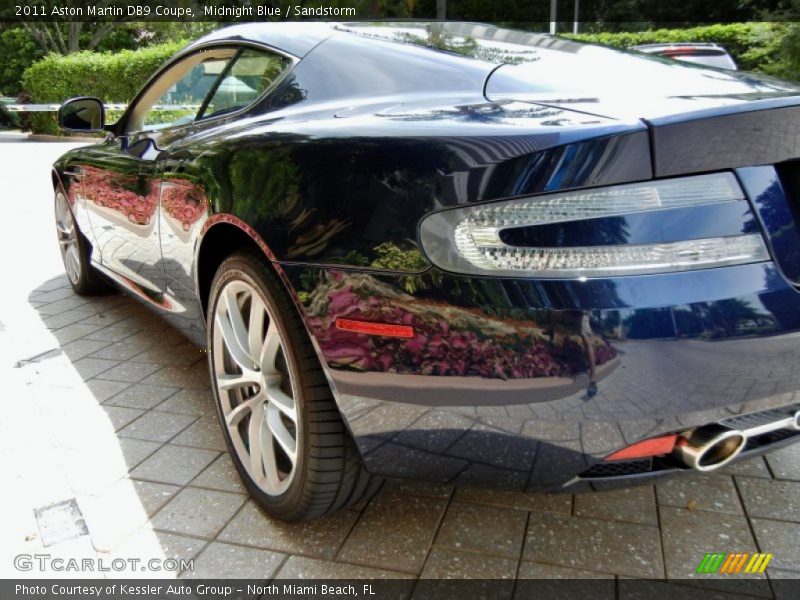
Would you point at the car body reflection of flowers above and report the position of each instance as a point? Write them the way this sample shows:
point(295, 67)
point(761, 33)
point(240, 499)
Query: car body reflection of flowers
point(118, 193)
point(183, 201)
point(447, 341)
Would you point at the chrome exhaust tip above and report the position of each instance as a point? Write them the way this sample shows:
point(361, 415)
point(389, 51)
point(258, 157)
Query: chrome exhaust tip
point(709, 448)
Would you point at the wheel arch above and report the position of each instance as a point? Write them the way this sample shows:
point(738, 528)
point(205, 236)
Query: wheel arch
point(222, 235)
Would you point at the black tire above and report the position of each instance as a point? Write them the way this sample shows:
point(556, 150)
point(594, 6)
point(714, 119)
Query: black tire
point(329, 474)
point(89, 280)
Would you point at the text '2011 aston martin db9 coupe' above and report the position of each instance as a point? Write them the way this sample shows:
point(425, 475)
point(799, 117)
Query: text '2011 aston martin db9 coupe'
point(455, 252)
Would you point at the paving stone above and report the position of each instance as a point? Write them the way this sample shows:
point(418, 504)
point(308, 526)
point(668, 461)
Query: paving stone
point(64, 291)
point(190, 402)
point(121, 416)
point(688, 535)
point(770, 499)
point(406, 526)
point(91, 470)
point(146, 544)
point(559, 503)
point(220, 475)
point(157, 426)
point(202, 513)
point(591, 544)
point(81, 348)
point(92, 367)
point(235, 562)
point(751, 467)
point(534, 570)
point(153, 496)
point(118, 351)
point(320, 538)
point(419, 488)
point(174, 464)
point(636, 504)
point(53, 308)
point(135, 451)
point(142, 396)
point(76, 331)
point(182, 355)
point(780, 539)
point(303, 567)
point(445, 563)
point(129, 371)
point(446, 570)
point(109, 333)
point(203, 433)
point(538, 580)
point(484, 529)
point(155, 331)
point(713, 492)
point(67, 317)
point(118, 512)
point(190, 377)
point(103, 389)
point(60, 522)
point(785, 463)
point(106, 317)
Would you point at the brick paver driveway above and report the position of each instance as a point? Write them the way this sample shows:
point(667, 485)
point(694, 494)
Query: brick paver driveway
point(105, 405)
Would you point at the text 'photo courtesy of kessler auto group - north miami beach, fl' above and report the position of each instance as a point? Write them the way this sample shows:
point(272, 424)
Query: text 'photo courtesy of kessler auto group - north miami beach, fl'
point(400, 299)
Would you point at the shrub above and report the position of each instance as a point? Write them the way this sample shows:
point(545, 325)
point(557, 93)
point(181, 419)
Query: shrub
point(754, 46)
point(113, 77)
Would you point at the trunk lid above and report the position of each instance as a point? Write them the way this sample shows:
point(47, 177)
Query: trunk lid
point(700, 119)
point(624, 85)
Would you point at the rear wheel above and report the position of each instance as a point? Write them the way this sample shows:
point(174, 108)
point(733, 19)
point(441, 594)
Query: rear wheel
point(75, 251)
point(281, 424)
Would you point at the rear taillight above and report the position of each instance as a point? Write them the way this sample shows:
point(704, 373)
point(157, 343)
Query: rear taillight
point(470, 239)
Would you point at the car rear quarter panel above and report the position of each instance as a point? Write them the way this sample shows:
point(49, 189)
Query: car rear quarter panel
point(492, 388)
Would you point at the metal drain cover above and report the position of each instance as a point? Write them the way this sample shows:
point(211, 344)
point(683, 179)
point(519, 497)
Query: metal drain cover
point(60, 521)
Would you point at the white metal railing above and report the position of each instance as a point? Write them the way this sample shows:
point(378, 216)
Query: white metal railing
point(19, 108)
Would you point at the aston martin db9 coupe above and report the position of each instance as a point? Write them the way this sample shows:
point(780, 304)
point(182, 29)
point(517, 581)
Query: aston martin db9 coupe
point(455, 252)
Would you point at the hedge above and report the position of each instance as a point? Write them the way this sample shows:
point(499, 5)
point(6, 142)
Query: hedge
point(113, 77)
point(754, 46)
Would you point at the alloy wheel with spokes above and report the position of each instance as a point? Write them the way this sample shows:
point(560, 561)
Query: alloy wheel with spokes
point(76, 250)
point(278, 415)
point(68, 239)
point(255, 387)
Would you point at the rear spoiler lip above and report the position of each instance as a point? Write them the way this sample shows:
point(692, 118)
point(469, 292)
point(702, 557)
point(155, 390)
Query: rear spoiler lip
point(785, 100)
point(761, 132)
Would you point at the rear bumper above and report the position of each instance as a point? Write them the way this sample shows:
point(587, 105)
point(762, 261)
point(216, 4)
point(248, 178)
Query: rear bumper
point(499, 387)
point(656, 387)
point(658, 369)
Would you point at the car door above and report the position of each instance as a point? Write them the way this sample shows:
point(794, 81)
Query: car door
point(192, 166)
point(120, 179)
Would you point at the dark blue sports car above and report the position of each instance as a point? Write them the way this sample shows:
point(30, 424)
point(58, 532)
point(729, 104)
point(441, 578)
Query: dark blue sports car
point(455, 252)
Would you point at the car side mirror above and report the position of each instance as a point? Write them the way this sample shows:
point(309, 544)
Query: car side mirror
point(82, 114)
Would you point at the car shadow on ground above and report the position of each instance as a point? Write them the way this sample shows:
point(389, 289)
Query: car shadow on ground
point(131, 424)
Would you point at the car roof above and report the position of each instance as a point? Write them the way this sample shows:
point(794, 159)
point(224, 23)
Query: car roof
point(298, 39)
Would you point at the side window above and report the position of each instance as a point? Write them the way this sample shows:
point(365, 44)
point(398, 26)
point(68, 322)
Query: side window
point(175, 98)
point(252, 72)
point(182, 101)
